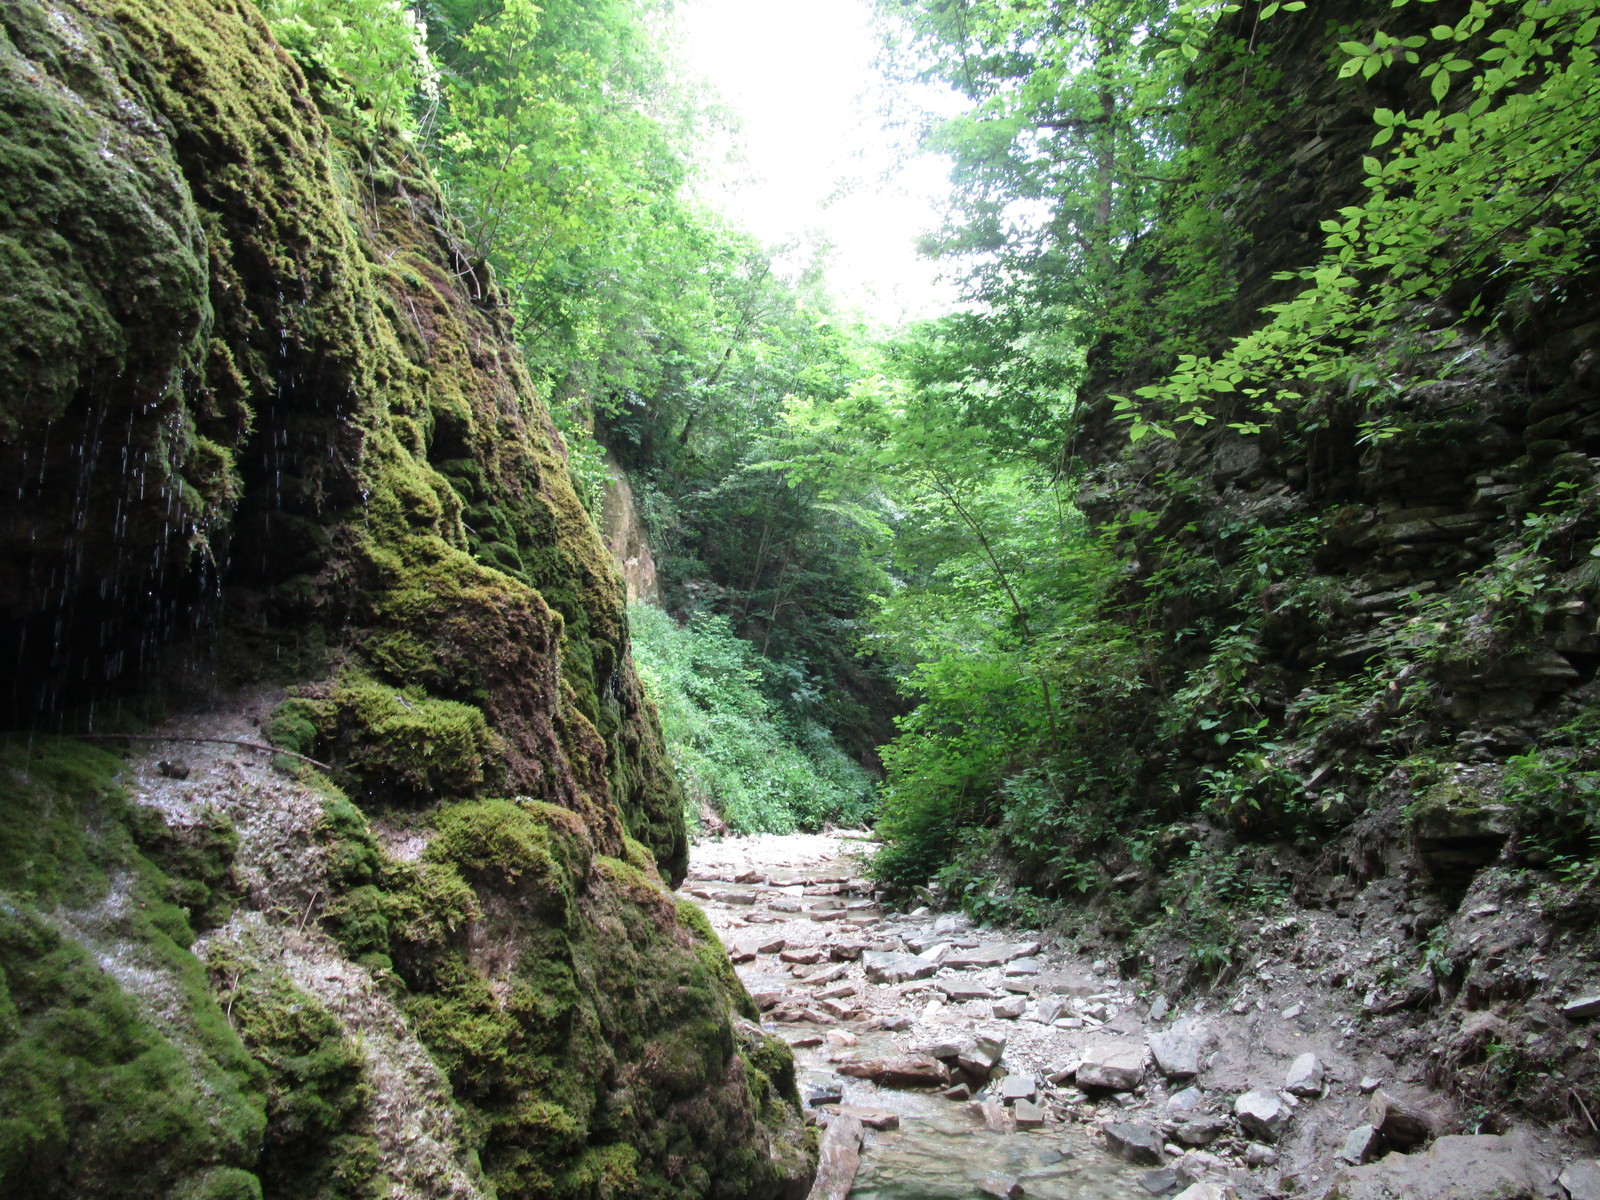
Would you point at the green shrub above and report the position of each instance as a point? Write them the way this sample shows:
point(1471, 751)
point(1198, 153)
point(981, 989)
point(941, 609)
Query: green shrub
point(732, 746)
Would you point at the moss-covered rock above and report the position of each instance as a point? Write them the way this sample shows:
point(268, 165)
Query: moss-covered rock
point(247, 355)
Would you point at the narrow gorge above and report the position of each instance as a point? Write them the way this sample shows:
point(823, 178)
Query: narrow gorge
point(517, 688)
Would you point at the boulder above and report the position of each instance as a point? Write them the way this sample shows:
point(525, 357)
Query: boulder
point(1137, 1144)
point(1471, 1167)
point(1582, 1179)
point(1115, 1068)
point(1177, 1049)
point(1262, 1113)
point(1305, 1076)
point(892, 967)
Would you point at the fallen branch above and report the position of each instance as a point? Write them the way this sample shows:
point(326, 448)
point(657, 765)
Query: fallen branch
point(173, 737)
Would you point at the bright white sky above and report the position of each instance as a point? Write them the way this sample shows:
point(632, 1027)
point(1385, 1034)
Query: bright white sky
point(799, 75)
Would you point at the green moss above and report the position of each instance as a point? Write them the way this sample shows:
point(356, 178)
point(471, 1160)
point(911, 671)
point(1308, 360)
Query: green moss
point(319, 1143)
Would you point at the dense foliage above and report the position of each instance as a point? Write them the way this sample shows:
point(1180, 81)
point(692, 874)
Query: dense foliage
point(738, 755)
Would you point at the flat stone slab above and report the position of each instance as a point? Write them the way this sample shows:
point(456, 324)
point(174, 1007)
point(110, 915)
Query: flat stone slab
point(893, 967)
point(907, 1071)
point(1581, 1008)
point(872, 1118)
point(996, 954)
point(1458, 1167)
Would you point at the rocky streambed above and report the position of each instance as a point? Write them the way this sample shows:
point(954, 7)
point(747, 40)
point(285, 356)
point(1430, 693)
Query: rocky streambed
point(948, 1060)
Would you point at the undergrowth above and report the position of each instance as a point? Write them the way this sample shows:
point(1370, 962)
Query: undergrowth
point(732, 746)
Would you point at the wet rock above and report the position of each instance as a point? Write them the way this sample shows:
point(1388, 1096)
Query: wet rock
point(1258, 1155)
point(959, 1092)
point(1262, 1113)
point(1177, 1049)
point(1006, 1187)
point(1010, 1010)
point(872, 1118)
point(842, 1037)
point(1115, 1068)
point(824, 1093)
point(1582, 1179)
point(838, 992)
point(1453, 1168)
point(1582, 1008)
point(1362, 1144)
point(772, 946)
point(1305, 1076)
point(805, 956)
point(1028, 1115)
point(766, 1000)
point(837, 1008)
point(839, 1158)
point(1018, 1087)
point(1137, 1144)
point(907, 1071)
point(996, 1117)
point(896, 968)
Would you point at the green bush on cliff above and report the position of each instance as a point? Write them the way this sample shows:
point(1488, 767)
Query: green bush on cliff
point(733, 749)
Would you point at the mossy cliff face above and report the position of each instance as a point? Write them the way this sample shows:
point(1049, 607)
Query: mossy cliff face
point(251, 383)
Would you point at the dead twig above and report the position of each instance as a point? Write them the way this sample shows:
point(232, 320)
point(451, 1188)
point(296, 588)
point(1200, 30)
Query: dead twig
point(173, 737)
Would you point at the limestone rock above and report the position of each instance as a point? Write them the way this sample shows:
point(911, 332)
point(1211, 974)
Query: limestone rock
point(1116, 1068)
point(1018, 1087)
point(1262, 1113)
point(1581, 1008)
point(1028, 1115)
point(1582, 1179)
point(1137, 1144)
point(1363, 1144)
point(1177, 1049)
point(1305, 1076)
point(1454, 1168)
point(907, 1071)
point(892, 967)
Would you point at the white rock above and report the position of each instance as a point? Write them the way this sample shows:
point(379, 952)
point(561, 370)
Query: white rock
point(1305, 1076)
point(1262, 1113)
